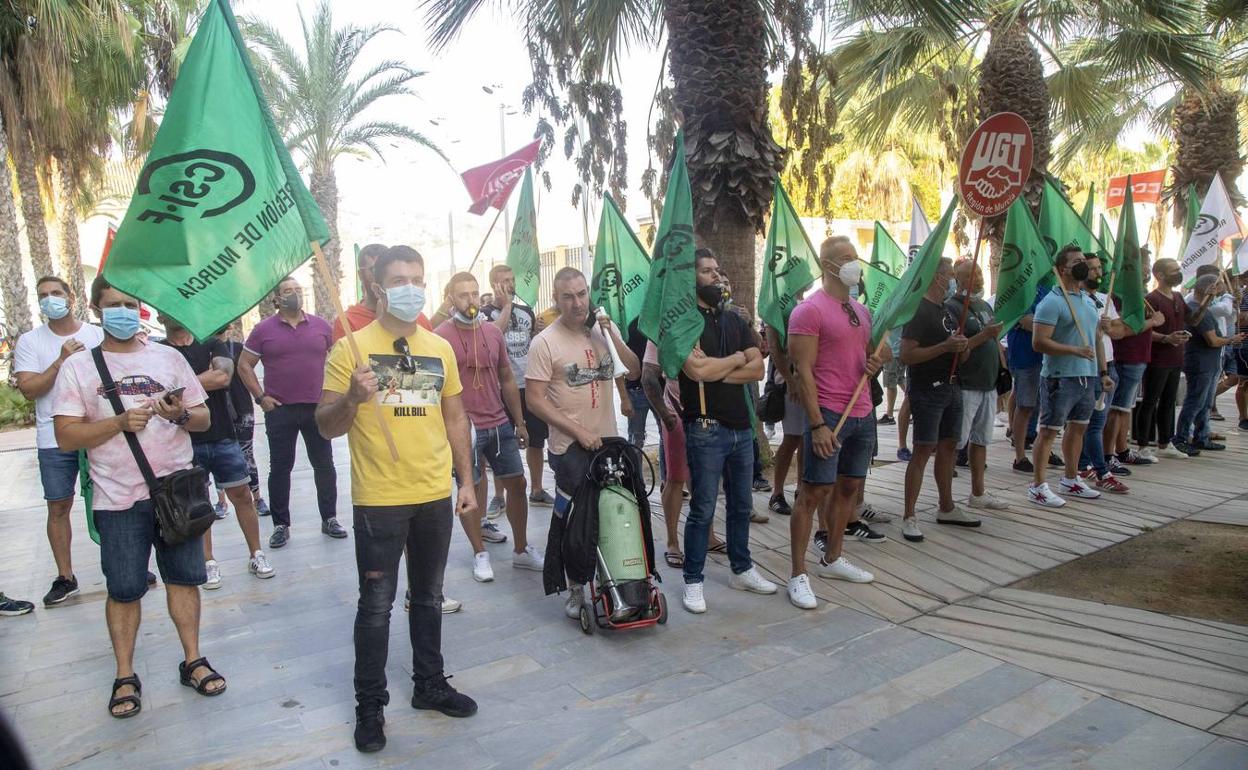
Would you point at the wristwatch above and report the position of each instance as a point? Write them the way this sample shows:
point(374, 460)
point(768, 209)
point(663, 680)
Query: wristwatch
point(182, 419)
point(258, 399)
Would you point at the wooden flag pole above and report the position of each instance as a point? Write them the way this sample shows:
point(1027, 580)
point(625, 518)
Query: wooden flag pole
point(486, 239)
point(327, 277)
point(1071, 307)
point(1109, 294)
point(862, 383)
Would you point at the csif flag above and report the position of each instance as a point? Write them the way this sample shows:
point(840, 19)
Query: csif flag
point(791, 265)
point(491, 184)
point(1109, 258)
point(670, 317)
point(882, 273)
point(899, 307)
point(1089, 206)
point(522, 255)
point(919, 227)
point(1129, 286)
point(1024, 265)
point(1193, 212)
point(1216, 223)
point(1060, 225)
point(219, 214)
point(621, 268)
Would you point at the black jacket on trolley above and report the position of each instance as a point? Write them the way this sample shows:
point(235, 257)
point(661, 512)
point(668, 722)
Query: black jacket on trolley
point(572, 544)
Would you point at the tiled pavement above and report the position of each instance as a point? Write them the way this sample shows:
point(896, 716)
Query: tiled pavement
point(975, 675)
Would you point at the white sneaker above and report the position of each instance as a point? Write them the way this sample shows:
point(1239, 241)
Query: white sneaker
point(957, 517)
point(1148, 453)
point(841, 569)
point(986, 502)
point(214, 575)
point(1002, 420)
point(1076, 488)
point(750, 580)
point(1042, 495)
point(1170, 453)
point(482, 572)
point(800, 594)
point(692, 599)
point(576, 598)
point(530, 558)
point(496, 508)
point(451, 605)
point(259, 566)
point(490, 532)
point(910, 530)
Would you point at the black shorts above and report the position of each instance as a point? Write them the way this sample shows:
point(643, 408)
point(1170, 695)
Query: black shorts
point(538, 431)
point(935, 413)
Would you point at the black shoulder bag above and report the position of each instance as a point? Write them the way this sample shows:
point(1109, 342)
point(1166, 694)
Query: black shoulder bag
point(180, 499)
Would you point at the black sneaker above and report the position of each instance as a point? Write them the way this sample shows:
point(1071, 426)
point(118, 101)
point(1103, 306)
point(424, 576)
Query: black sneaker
point(1191, 450)
point(151, 578)
point(1211, 446)
point(62, 589)
point(821, 540)
point(1243, 424)
point(14, 607)
point(779, 505)
point(332, 528)
point(1116, 467)
point(1055, 461)
point(1024, 466)
point(888, 419)
point(859, 531)
point(370, 734)
point(1216, 417)
point(280, 536)
point(964, 457)
point(762, 485)
point(436, 693)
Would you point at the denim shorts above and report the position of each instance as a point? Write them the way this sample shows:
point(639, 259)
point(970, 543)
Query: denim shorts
point(1026, 386)
point(224, 460)
point(1129, 378)
point(794, 418)
point(852, 459)
point(500, 448)
point(59, 473)
point(936, 413)
point(126, 540)
point(979, 409)
point(1066, 399)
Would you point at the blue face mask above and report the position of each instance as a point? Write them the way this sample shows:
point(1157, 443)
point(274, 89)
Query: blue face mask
point(853, 291)
point(55, 308)
point(405, 302)
point(120, 322)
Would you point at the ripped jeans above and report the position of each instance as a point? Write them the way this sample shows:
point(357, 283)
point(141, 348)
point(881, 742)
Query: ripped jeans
point(382, 533)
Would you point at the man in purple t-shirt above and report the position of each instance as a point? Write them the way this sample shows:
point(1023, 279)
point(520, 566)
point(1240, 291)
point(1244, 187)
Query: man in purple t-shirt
point(486, 375)
point(293, 346)
point(829, 337)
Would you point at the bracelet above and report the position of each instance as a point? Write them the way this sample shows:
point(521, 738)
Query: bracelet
point(182, 419)
point(814, 428)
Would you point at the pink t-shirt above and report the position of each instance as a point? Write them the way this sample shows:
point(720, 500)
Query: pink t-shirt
point(577, 369)
point(479, 355)
point(842, 356)
point(140, 376)
point(671, 388)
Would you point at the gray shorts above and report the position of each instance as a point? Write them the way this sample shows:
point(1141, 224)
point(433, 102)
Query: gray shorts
point(794, 418)
point(978, 412)
point(894, 374)
point(1026, 386)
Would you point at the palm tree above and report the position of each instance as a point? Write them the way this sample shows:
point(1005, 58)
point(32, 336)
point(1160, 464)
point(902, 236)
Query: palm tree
point(12, 283)
point(320, 106)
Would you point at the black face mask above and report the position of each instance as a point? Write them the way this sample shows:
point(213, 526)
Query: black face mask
point(711, 295)
point(1079, 271)
point(1093, 283)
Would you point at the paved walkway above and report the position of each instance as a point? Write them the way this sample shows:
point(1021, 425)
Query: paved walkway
point(938, 664)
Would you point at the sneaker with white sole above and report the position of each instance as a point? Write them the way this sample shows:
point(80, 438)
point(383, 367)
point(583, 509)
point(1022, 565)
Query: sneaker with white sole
point(496, 508)
point(957, 517)
point(1171, 453)
point(750, 580)
point(482, 572)
point(873, 515)
point(576, 598)
point(841, 569)
point(859, 530)
point(214, 575)
point(800, 594)
point(1147, 453)
point(1002, 420)
point(259, 566)
point(450, 605)
point(1040, 494)
point(910, 530)
point(1076, 488)
point(530, 558)
point(693, 599)
point(986, 502)
point(490, 532)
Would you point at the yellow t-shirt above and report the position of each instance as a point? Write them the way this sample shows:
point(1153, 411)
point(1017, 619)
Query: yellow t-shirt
point(410, 391)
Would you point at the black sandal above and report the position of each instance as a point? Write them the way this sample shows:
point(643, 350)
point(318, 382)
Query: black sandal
point(674, 559)
point(134, 698)
point(184, 673)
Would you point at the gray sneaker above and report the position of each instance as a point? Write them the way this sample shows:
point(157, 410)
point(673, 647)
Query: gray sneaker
point(957, 517)
point(490, 532)
point(496, 507)
point(541, 497)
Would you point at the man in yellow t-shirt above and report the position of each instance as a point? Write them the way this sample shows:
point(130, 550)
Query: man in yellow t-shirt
point(400, 505)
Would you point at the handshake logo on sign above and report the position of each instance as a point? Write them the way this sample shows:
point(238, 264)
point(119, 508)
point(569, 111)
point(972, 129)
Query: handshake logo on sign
point(996, 165)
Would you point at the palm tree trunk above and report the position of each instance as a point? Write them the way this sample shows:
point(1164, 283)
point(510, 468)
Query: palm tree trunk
point(718, 57)
point(71, 250)
point(32, 205)
point(12, 284)
point(1206, 140)
point(324, 188)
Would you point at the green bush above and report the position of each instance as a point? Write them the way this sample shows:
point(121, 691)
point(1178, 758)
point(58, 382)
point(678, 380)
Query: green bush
point(15, 410)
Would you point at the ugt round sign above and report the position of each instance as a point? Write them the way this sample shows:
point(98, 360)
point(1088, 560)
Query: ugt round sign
point(995, 164)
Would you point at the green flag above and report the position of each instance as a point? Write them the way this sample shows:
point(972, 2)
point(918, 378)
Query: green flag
point(888, 262)
point(1109, 256)
point(791, 264)
point(1060, 225)
point(621, 268)
point(522, 255)
point(1089, 206)
point(1129, 286)
point(1024, 264)
point(670, 316)
point(219, 214)
point(904, 300)
point(1193, 212)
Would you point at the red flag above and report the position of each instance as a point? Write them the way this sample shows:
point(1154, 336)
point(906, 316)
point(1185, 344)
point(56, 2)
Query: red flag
point(1145, 188)
point(491, 184)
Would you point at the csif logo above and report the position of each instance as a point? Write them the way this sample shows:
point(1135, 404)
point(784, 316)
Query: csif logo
point(204, 182)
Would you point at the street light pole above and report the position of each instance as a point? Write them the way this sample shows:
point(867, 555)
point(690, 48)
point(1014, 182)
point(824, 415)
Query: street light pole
point(502, 142)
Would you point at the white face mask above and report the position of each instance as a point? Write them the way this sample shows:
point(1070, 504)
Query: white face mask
point(850, 273)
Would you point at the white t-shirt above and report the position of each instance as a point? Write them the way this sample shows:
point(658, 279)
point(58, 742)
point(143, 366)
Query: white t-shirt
point(36, 350)
point(1110, 312)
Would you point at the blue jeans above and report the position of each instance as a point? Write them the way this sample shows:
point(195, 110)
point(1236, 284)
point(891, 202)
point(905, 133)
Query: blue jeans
point(1093, 455)
point(714, 451)
point(641, 413)
point(1196, 402)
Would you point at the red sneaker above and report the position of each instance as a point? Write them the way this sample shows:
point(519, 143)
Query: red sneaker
point(1111, 484)
point(1088, 475)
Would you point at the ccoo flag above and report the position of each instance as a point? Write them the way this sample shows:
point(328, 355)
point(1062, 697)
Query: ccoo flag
point(492, 183)
point(1129, 285)
point(1024, 263)
point(621, 268)
point(791, 264)
point(900, 305)
point(888, 262)
point(219, 214)
point(522, 254)
point(670, 317)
